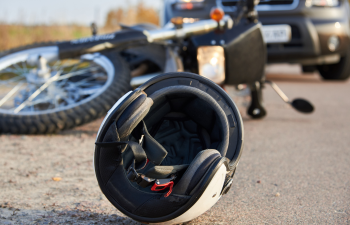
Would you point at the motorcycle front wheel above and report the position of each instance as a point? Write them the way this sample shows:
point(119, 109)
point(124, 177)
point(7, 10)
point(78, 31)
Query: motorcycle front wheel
point(40, 93)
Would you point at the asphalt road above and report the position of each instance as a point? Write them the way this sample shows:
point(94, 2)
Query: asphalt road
point(302, 161)
point(295, 168)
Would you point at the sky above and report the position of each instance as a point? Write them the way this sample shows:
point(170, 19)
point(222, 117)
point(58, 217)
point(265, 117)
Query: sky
point(63, 11)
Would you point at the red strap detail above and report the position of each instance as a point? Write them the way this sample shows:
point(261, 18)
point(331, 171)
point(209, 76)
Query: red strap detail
point(170, 189)
point(161, 187)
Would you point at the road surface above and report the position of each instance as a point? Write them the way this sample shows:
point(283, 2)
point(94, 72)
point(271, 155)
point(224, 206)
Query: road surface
point(295, 168)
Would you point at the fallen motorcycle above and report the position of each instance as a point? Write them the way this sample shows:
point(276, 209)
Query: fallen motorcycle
point(49, 87)
point(54, 86)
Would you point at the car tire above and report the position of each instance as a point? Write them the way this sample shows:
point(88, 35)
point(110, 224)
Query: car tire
point(337, 71)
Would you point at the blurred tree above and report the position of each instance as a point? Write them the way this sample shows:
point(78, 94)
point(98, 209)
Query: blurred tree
point(114, 17)
point(137, 14)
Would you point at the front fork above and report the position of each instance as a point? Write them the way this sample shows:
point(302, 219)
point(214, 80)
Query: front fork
point(256, 109)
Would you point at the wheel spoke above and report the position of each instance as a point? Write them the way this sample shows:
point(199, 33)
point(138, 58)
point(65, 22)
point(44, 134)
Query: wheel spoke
point(37, 92)
point(9, 95)
point(80, 72)
point(64, 67)
point(90, 90)
point(81, 82)
point(55, 65)
point(74, 67)
point(19, 69)
point(24, 67)
point(31, 104)
point(69, 101)
point(23, 88)
point(6, 82)
point(8, 70)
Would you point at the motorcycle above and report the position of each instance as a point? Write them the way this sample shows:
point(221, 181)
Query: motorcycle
point(242, 49)
point(49, 87)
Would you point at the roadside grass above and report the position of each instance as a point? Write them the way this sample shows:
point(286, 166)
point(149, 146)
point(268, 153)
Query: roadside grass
point(15, 35)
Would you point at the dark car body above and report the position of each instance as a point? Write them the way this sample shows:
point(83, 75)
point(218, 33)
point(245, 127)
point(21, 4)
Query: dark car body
point(311, 29)
point(318, 36)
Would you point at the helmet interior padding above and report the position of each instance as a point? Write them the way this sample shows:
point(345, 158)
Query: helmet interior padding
point(187, 128)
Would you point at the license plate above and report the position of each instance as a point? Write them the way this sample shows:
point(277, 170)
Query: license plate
point(277, 33)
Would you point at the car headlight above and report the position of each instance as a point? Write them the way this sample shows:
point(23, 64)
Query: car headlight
point(211, 63)
point(189, 4)
point(329, 3)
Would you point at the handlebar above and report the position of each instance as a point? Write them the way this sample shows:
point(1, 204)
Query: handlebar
point(133, 37)
point(188, 29)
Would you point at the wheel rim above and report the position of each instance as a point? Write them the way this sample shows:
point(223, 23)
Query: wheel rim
point(35, 81)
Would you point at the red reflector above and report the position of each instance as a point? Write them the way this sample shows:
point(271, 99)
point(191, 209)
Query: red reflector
point(187, 6)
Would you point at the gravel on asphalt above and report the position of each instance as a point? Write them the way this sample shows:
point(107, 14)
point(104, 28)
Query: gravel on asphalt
point(294, 168)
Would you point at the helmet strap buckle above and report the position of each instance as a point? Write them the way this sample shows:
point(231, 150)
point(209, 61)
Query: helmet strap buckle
point(162, 184)
point(132, 174)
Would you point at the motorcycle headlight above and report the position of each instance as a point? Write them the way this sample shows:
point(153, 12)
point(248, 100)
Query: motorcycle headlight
point(329, 3)
point(211, 63)
point(189, 4)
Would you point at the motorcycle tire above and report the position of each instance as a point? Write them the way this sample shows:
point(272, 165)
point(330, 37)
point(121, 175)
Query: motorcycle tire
point(111, 82)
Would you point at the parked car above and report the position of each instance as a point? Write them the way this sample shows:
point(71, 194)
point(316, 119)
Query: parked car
point(313, 33)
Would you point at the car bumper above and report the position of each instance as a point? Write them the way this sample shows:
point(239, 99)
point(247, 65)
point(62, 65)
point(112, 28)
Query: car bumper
point(310, 35)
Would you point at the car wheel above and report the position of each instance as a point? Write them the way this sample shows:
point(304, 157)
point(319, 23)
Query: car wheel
point(337, 71)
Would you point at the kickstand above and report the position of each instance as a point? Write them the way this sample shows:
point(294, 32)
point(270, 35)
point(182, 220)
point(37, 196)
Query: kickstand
point(256, 109)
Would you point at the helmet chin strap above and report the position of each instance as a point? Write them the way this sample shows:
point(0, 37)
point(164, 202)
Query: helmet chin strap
point(140, 157)
point(154, 152)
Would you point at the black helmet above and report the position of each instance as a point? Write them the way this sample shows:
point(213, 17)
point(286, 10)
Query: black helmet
point(167, 151)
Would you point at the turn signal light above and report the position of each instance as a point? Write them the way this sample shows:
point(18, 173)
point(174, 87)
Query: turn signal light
point(177, 20)
point(217, 14)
